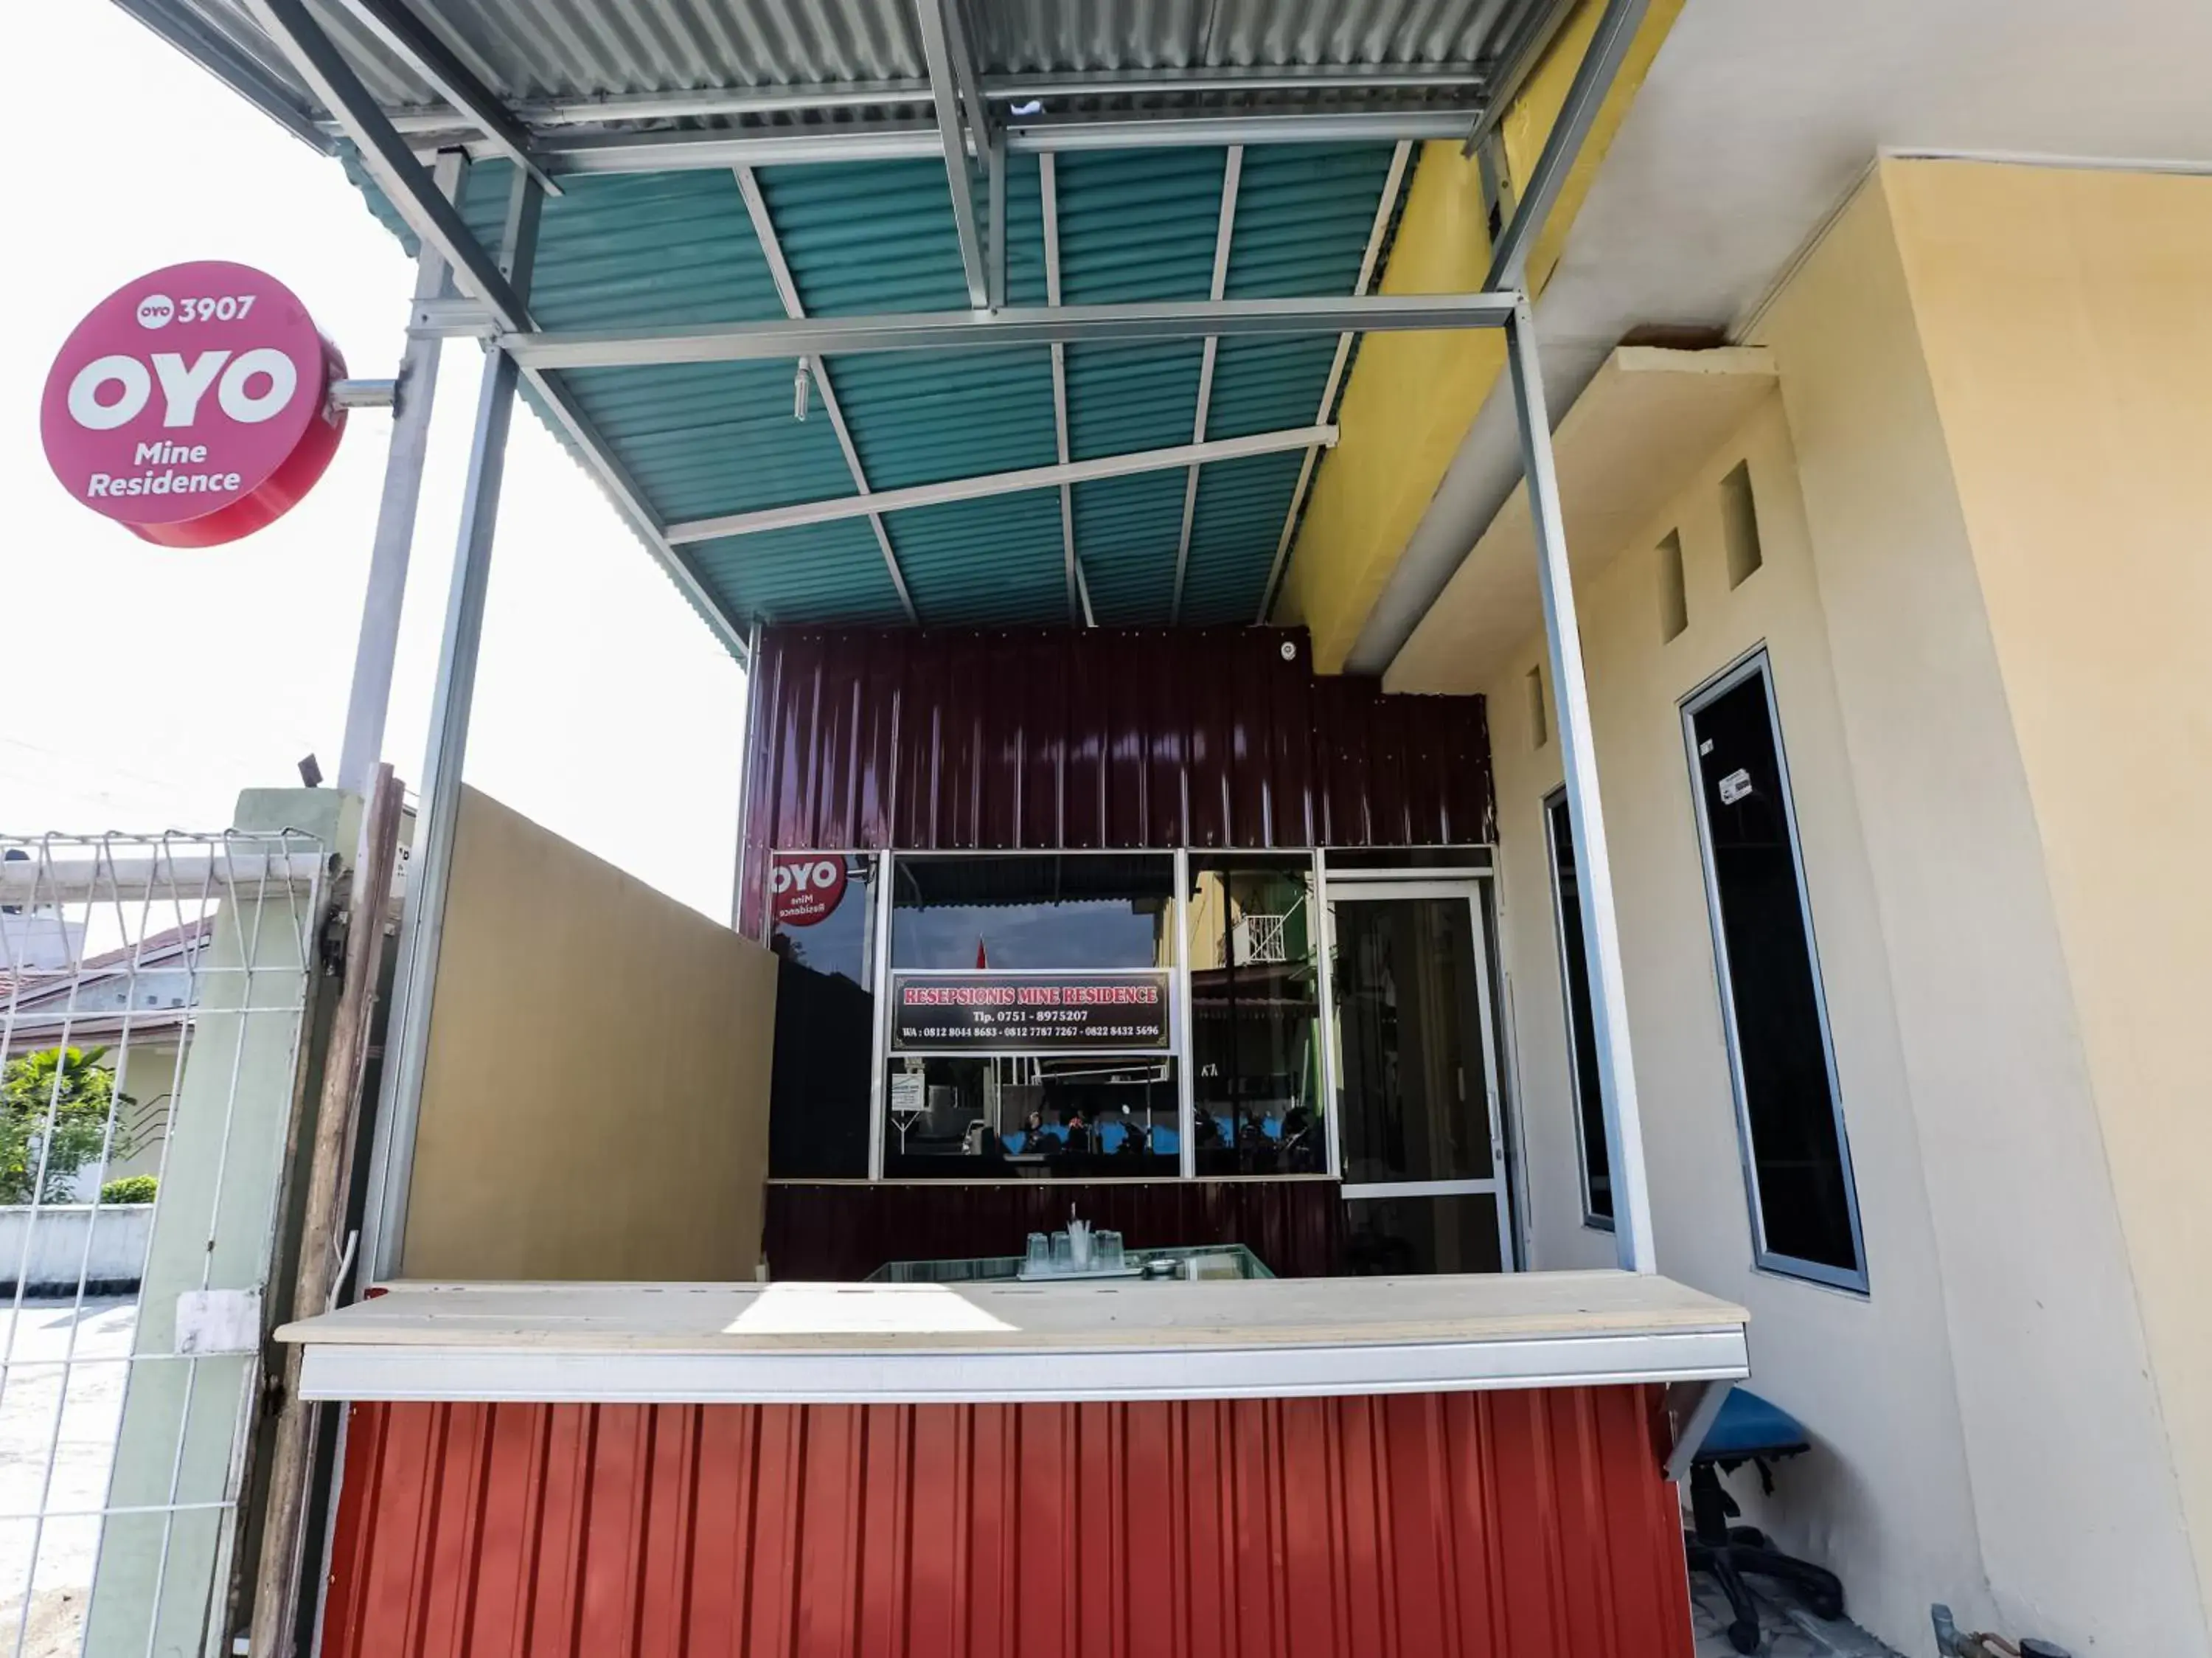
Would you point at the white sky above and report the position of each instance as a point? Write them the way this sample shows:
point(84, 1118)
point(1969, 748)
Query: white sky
point(144, 688)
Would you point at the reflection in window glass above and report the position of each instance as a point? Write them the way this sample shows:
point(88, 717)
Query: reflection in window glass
point(1395, 1237)
point(1020, 1116)
point(1255, 1018)
point(1581, 1030)
point(1409, 1039)
point(1029, 912)
point(825, 1032)
point(1806, 1209)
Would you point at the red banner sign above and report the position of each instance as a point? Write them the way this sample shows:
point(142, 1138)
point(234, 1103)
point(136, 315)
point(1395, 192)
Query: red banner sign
point(192, 406)
point(803, 887)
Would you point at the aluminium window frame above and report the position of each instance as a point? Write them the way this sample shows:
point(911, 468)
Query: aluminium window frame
point(1450, 886)
point(1178, 992)
point(1591, 1219)
point(1756, 662)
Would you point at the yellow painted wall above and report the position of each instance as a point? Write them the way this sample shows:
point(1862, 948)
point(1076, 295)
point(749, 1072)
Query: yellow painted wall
point(2067, 321)
point(1410, 397)
point(595, 1105)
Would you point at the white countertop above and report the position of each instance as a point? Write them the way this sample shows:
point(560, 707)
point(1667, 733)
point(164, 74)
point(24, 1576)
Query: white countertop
point(1000, 1341)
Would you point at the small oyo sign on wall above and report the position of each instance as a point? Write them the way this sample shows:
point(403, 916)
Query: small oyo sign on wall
point(804, 887)
point(194, 405)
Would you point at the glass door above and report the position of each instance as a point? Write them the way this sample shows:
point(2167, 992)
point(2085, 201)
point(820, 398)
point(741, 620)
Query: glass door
point(1420, 1145)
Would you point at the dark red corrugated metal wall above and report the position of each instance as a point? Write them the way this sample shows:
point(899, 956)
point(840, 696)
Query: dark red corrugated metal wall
point(1044, 739)
point(1513, 1525)
point(840, 1231)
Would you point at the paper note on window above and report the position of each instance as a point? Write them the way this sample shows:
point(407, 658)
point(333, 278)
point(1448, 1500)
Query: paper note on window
point(1735, 786)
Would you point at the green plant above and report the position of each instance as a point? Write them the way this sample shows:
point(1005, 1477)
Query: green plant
point(130, 1189)
point(54, 1110)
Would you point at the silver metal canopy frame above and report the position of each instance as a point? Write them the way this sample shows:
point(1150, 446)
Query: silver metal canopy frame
point(518, 351)
point(438, 815)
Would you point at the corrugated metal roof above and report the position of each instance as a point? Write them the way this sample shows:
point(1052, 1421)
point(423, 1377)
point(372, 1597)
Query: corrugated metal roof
point(632, 249)
point(543, 53)
point(705, 439)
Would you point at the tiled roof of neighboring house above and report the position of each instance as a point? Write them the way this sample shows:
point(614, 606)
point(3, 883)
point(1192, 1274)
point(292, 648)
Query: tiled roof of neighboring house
point(34, 990)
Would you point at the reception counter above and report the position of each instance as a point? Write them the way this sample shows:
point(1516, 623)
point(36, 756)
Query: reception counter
point(1336, 1466)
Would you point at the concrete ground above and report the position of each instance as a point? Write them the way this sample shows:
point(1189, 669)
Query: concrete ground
point(78, 1427)
point(1788, 1629)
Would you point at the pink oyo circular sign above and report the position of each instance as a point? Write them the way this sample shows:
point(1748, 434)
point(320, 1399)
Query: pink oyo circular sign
point(192, 406)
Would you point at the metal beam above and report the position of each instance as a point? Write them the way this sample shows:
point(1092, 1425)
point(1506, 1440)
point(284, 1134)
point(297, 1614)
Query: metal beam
point(1594, 79)
point(410, 39)
point(627, 499)
point(235, 68)
point(1064, 133)
point(925, 330)
point(404, 179)
point(1287, 78)
point(707, 103)
point(565, 153)
point(787, 290)
point(1007, 483)
point(414, 194)
point(1079, 597)
point(384, 1222)
point(1232, 173)
point(944, 88)
point(1624, 1130)
point(378, 646)
point(1385, 209)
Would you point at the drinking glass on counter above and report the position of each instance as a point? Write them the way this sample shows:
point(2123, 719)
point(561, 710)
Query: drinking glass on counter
point(1107, 1253)
point(1039, 1258)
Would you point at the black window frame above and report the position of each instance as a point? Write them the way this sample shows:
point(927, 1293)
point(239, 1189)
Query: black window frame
point(1757, 663)
point(1555, 805)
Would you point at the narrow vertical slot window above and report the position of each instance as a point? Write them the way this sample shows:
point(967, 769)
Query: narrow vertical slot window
point(1673, 595)
point(1539, 732)
point(1805, 1217)
point(1740, 524)
point(1583, 1085)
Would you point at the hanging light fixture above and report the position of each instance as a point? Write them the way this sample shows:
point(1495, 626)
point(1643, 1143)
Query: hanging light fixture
point(799, 391)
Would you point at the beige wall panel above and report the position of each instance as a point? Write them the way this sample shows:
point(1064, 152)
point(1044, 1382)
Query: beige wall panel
point(596, 1099)
point(2069, 340)
point(1890, 1506)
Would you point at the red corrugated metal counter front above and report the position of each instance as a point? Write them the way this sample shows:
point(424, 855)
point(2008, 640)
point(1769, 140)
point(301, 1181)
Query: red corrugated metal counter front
point(1510, 1524)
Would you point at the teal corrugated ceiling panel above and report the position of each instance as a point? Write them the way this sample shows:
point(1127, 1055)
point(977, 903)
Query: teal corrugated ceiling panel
point(708, 439)
point(1121, 399)
point(1126, 531)
point(923, 417)
point(868, 236)
point(992, 561)
point(1267, 384)
point(1235, 530)
point(1303, 218)
point(1139, 224)
point(815, 573)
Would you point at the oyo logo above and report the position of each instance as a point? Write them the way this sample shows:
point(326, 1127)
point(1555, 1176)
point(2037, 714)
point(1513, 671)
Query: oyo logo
point(804, 887)
point(257, 385)
point(219, 432)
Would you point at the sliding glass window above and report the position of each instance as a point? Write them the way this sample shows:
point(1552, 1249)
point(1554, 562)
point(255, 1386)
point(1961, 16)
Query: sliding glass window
point(1789, 1109)
point(1583, 1081)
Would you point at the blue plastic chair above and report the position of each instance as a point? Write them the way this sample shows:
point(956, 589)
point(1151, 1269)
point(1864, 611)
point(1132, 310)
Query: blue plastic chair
point(1752, 1429)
